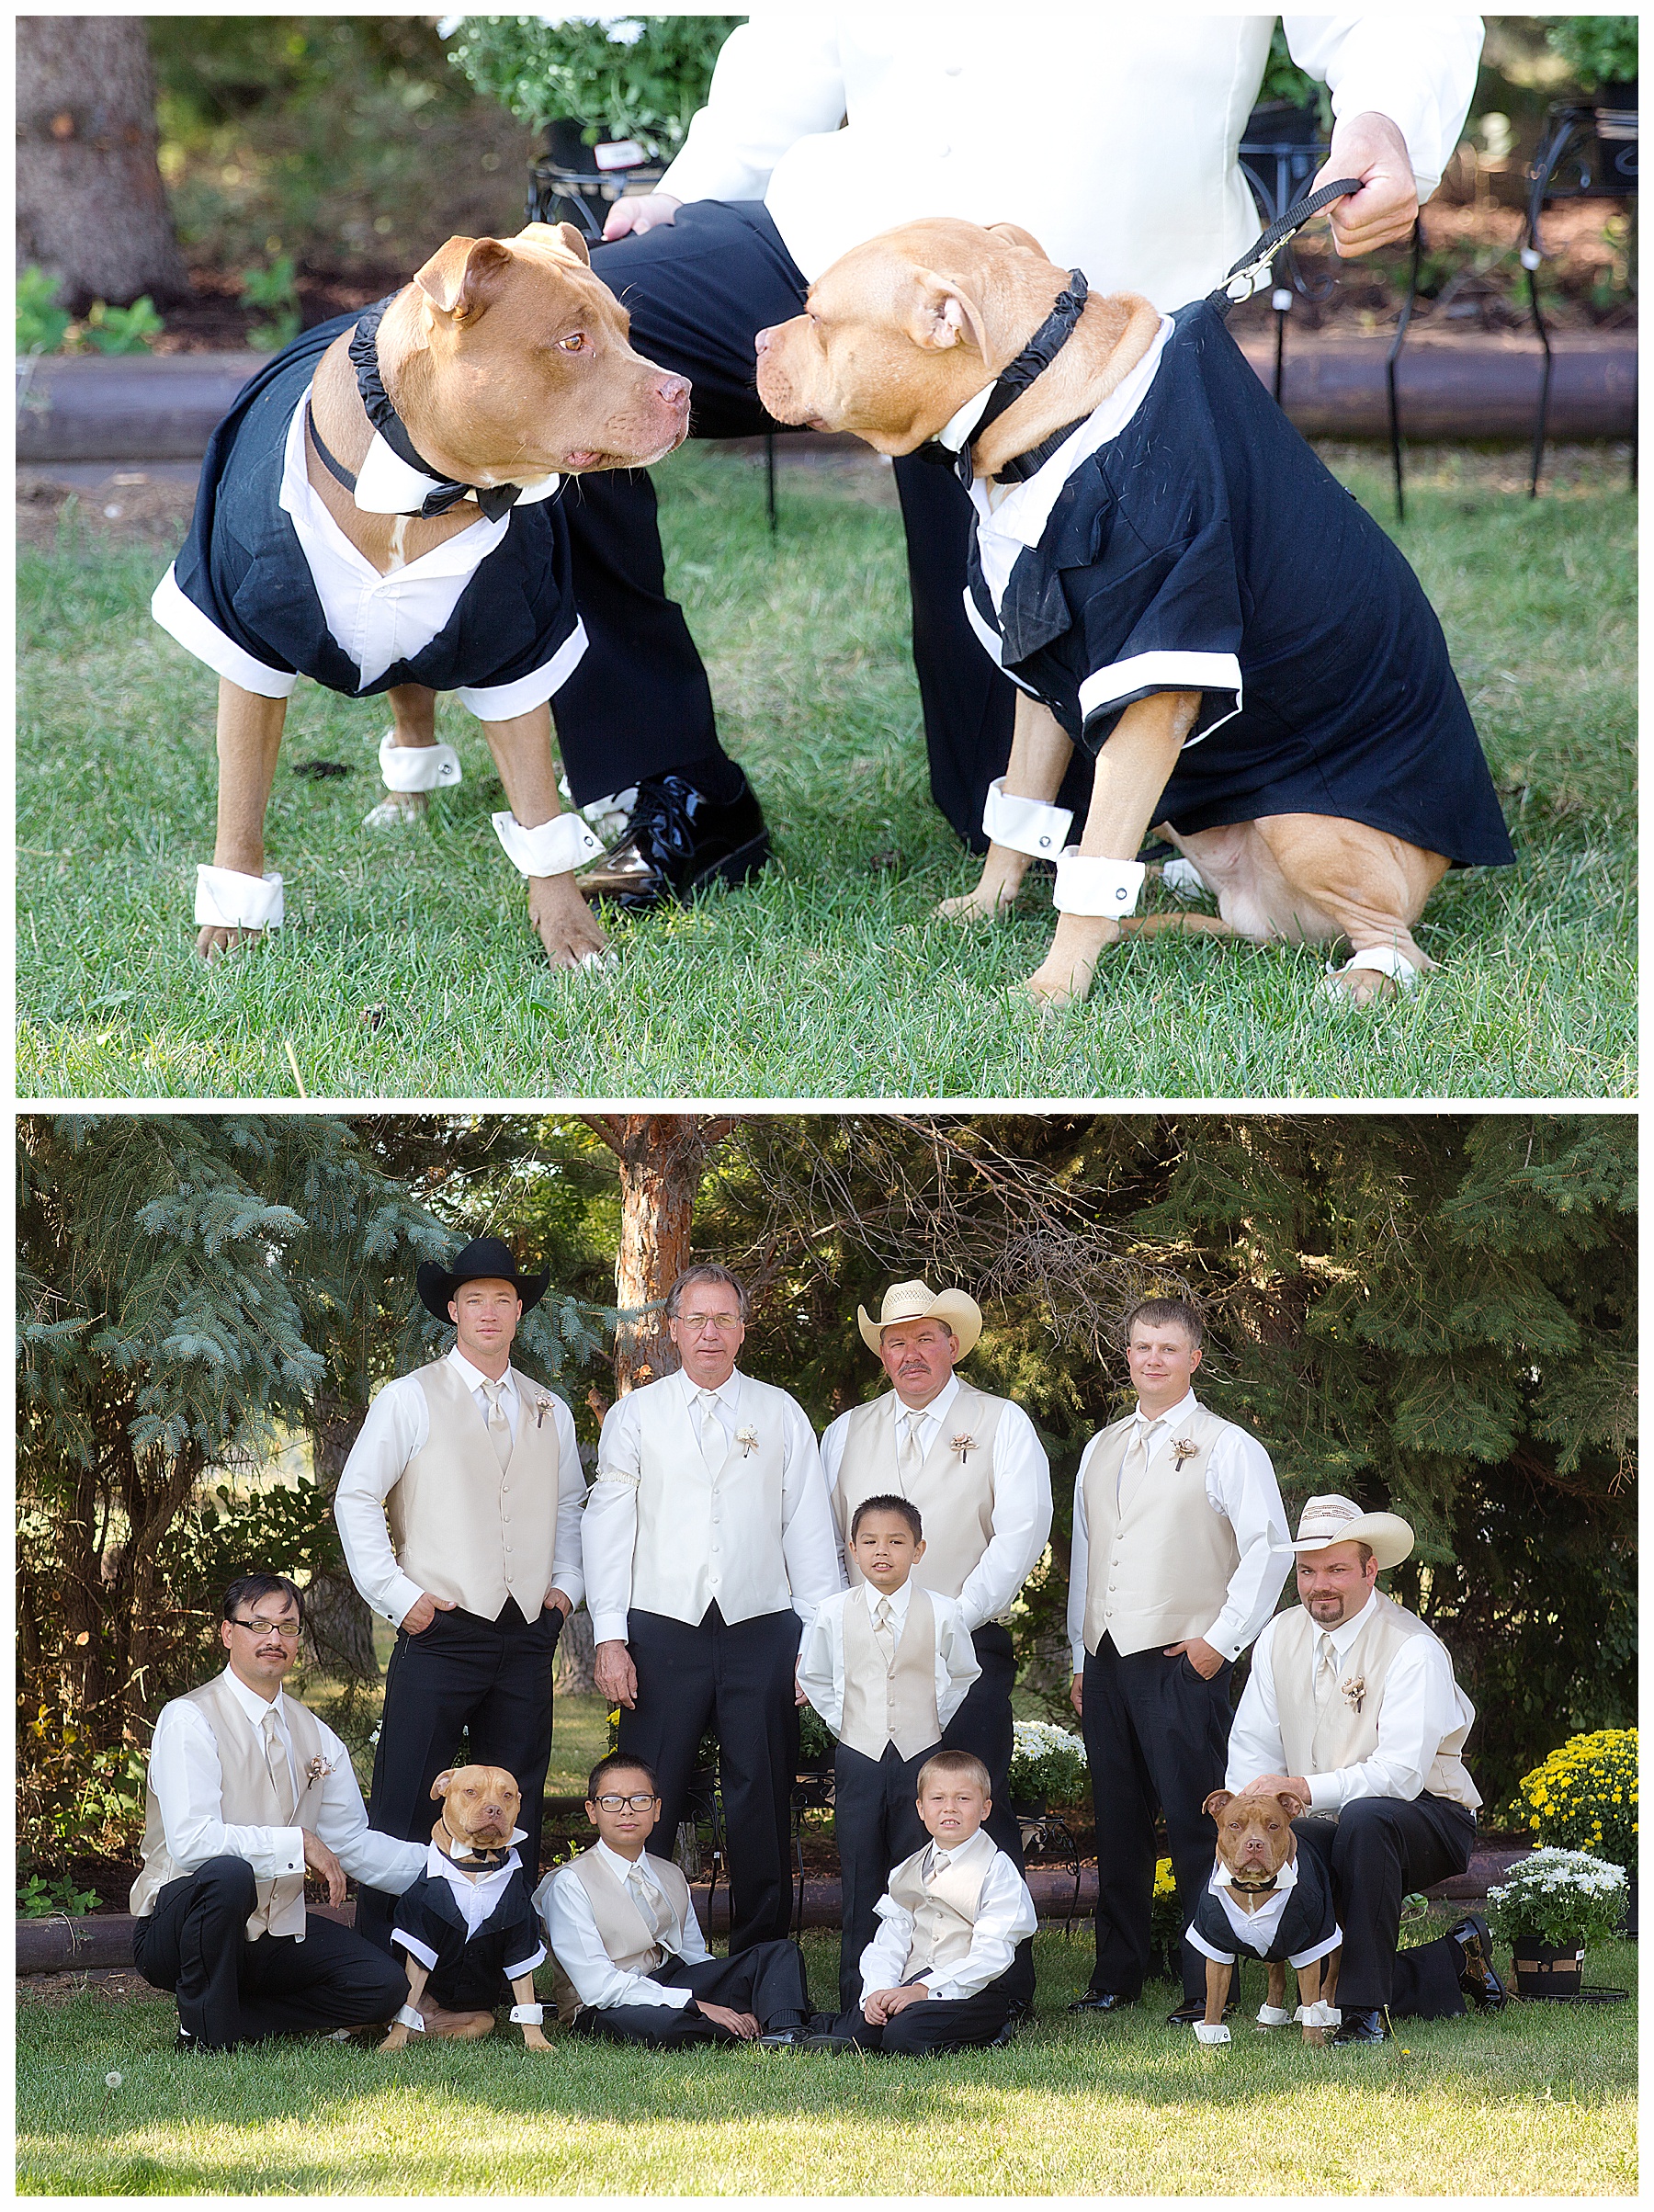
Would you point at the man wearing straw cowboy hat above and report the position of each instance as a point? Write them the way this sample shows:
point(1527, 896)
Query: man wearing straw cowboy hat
point(477, 1471)
point(1353, 1698)
point(973, 1466)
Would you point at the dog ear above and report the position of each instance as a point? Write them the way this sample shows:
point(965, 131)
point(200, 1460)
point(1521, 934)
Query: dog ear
point(1014, 235)
point(560, 235)
point(439, 1788)
point(462, 278)
point(1291, 1804)
point(943, 314)
point(1214, 1806)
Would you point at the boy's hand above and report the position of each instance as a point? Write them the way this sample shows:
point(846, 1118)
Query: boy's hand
point(883, 2005)
point(740, 2024)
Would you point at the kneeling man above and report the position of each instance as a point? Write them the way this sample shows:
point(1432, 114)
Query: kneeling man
point(247, 1789)
point(1356, 1697)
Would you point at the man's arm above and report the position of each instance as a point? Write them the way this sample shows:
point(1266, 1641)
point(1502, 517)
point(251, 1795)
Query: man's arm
point(1241, 1486)
point(568, 1571)
point(1255, 1743)
point(188, 1782)
point(821, 1664)
point(396, 1427)
point(572, 1934)
point(609, 1538)
point(956, 1663)
point(334, 1810)
point(1022, 1520)
point(777, 80)
point(809, 1539)
point(1078, 1569)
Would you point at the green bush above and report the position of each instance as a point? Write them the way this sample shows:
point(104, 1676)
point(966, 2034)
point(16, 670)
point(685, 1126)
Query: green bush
point(1599, 49)
point(275, 292)
point(42, 324)
point(640, 77)
point(38, 1897)
point(1583, 1798)
point(123, 329)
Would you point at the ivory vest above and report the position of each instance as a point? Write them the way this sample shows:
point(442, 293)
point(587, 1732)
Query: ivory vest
point(953, 1490)
point(1158, 1559)
point(944, 1908)
point(626, 1935)
point(1340, 1735)
point(462, 1526)
point(249, 1801)
point(704, 1536)
point(883, 1703)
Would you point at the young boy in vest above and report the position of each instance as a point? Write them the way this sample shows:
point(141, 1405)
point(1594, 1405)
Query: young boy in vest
point(631, 1962)
point(945, 1971)
point(886, 1665)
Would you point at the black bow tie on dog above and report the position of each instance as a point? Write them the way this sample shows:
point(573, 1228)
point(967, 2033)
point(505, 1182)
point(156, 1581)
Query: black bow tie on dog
point(1035, 358)
point(467, 1856)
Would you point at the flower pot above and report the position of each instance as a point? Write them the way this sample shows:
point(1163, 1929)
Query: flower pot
point(1546, 1969)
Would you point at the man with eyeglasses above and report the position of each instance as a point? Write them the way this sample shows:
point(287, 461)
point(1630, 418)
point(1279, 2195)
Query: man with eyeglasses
point(708, 1543)
point(247, 1790)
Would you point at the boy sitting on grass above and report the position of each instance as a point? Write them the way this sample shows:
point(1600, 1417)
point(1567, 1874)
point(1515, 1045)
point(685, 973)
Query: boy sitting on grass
point(944, 1972)
point(631, 1962)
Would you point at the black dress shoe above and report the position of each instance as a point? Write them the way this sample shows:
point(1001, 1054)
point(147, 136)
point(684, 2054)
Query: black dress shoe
point(1100, 2001)
point(1360, 2026)
point(783, 2039)
point(830, 2043)
point(677, 843)
point(1477, 1977)
point(1194, 2009)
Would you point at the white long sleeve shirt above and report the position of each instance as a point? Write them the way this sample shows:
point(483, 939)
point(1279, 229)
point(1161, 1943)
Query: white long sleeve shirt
point(189, 1782)
point(1241, 1486)
point(572, 1931)
point(1004, 1915)
point(1022, 1501)
point(1421, 1704)
point(397, 1427)
point(1108, 134)
point(822, 1652)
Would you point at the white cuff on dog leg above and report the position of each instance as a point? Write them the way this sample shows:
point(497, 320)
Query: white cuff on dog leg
point(1319, 2014)
point(1383, 960)
point(411, 2020)
point(527, 2015)
point(550, 848)
point(1024, 826)
point(1183, 879)
point(1275, 2015)
point(1203, 2034)
point(230, 900)
point(1085, 886)
point(416, 767)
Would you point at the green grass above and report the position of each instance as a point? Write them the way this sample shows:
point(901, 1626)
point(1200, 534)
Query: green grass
point(1538, 2100)
point(829, 977)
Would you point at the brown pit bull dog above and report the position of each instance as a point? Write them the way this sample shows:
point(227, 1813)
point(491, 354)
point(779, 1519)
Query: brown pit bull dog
point(391, 526)
point(471, 1844)
point(1174, 580)
point(1268, 1880)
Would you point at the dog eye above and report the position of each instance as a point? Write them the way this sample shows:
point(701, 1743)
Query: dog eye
point(573, 343)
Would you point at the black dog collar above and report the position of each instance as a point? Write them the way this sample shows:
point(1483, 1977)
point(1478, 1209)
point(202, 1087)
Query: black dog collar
point(445, 491)
point(1253, 1889)
point(1035, 358)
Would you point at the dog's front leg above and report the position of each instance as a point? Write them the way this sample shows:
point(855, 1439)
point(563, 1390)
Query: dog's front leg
point(418, 1973)
point(1132, 769)
point(522, 751)
point(522, 1988)
point(1040, 752)
point(414, 729)
point(1211, 2029)
point(249, 738)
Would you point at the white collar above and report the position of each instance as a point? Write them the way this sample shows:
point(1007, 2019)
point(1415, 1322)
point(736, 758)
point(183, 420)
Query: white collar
point(1187, 1403)
point(900, 1599)
point(937, 1406)
point(625, 1867)
point(940, 1859)
point(463, 1882)
point(1344, 1635)
point(960, 425)
point(473, 1378)
point(252, 1705)
point(1286, 1879)
point(727, 1392)
point(386, 485)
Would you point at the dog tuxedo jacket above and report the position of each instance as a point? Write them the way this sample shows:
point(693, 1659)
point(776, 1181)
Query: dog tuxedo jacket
point(267, 589)
point(1185, 537)
point(474, 1937)
point(1297, 1923)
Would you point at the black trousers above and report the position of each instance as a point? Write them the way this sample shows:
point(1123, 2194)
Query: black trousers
point(943, 2023)
point(766, 1979)
point(491, 1678)
point(982, 1726)
point(698, 289)
point(1377, 1851)
point(738, 1680)
point(231, 1990)
point(876, 1825)
point(1155, 1736)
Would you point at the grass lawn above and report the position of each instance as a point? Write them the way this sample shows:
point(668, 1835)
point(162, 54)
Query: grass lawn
point(1540, 2100)
point(829, 977)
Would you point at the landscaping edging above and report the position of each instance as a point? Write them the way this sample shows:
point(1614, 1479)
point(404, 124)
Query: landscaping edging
point(67, 1941)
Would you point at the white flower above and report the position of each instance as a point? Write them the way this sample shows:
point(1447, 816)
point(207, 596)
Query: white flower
point(112, 2080)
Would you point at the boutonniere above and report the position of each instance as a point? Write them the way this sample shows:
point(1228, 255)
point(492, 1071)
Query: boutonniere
point(542, 1406)
point(748, 1441)
point(964, 1445)
point(318, 1770)
point(1183, 1449)
point(1354, 1691)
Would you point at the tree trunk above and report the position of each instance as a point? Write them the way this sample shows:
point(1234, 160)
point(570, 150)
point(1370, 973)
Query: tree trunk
point(338, 1626)
point(572, 1676)
point(663, 1157)
point(91, 206)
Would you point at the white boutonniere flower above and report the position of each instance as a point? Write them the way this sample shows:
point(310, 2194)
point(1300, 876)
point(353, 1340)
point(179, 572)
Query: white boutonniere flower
point(964, 1445)
point(542, 1406)
point(1354, 1691)
point(318, 1769)
point(748, 1441)
point(1184, 1448)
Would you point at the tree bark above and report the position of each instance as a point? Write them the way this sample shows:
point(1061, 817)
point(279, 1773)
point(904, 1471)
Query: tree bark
point(663, 1157)
point(91, 206)
point(338, 1626)
point(572, 1677)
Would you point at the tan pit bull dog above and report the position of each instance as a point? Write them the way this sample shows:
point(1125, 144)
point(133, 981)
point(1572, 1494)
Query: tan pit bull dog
point(505, 363)
point(901, 337)
point(480, 1806)
point(1255, 1845)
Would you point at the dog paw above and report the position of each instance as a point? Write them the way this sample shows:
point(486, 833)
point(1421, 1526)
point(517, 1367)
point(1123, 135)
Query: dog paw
point(979, 905)
point(218, 938)
point(396, 2040)
point(1361, 987)
point(568, 928)
point(397, 810)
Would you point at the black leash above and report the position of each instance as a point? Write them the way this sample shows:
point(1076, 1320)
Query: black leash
point(1257, 258)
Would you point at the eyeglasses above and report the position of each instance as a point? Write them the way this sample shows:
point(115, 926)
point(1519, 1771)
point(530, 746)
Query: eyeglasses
point(639, 1804)
point(698, 1323)
point(286, 1629)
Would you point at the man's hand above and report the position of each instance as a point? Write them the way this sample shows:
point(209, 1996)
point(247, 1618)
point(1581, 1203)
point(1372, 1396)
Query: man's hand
point(798, 1696)
point(1384, 211)
point(321, 1861)
point(423, 1611)
point(562, 1600)
point(613, 1672)
point(1199, 1654)
point(1273, 1786)
point(884, 2005)
point(639, 213)
point(1076, 1696)
point(741, 2024)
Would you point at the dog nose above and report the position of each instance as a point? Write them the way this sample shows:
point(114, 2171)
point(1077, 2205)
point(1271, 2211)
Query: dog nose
point(761, 343)
point(674, 390)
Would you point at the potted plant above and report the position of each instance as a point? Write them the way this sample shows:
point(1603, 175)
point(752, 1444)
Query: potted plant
point(1552, 1908)
point(1048, 1766)
point(1583, 1798)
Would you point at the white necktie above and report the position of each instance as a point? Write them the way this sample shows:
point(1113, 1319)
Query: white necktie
point(910, 1455)
point(714, 1442)
point(1326, 1672)
point(1136, 1462)
point(643, 1897)
point(884, 1631)
point(276, 1759)
point(499, 1425)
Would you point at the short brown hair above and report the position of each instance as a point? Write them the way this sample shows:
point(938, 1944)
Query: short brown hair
point(615, 1762)
point(904, 1506)
point(705, 1273)
point(965, 1764)
point(1161, 1313)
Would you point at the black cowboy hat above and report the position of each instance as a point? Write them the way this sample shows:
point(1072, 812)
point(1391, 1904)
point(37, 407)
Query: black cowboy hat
point(483, 1256)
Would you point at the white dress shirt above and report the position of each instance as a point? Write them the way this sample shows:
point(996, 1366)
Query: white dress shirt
point(809, 1540)
point(189, 1782)
point(1004, 1915)
point(1022, 1500)
point(1110, 134)
point(476, 1897)
point(398, 1425)
point(1241, 1485)
point(1420, 1703)
point(572, 1933)
point(822, 1652)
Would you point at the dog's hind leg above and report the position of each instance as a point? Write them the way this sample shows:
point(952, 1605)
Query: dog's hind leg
point(414, 727)
point(1370, 887)
point(249, 738)
point(1020, 807)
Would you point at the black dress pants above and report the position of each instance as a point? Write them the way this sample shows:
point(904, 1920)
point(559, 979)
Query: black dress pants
point(738, 1680)
point(490, 1678)
point(231, 1990)
point(766, 1979)
point(698, 290)
point(983, 1727)
point(944, 2023)
point(876, 1825)
point(1377, 1851)
point(1156, 1736)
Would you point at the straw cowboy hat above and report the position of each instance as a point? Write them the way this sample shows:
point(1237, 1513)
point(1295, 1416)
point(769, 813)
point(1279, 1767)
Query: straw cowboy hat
point(483, 1259)
point(918, 1302)
point(1336, 1520)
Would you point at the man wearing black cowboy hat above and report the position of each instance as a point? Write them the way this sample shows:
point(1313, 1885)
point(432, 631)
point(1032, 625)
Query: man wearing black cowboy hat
point(459, 1511)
